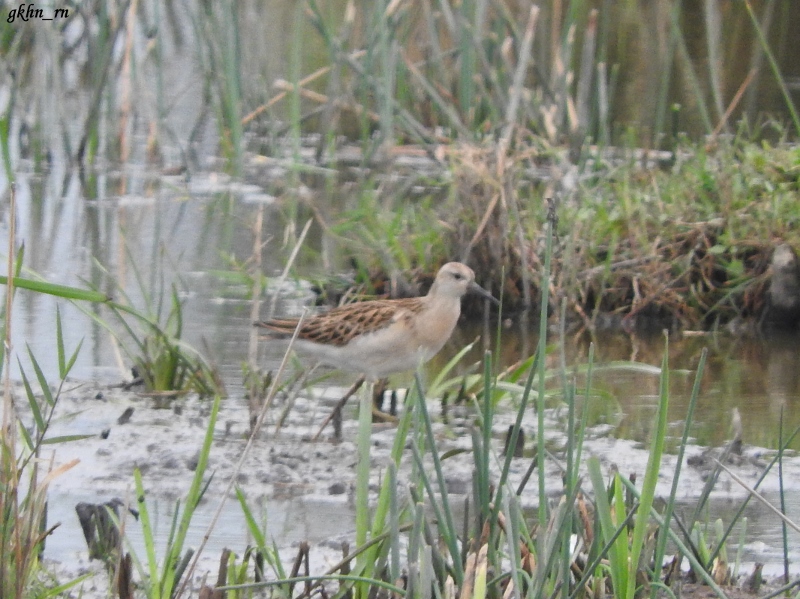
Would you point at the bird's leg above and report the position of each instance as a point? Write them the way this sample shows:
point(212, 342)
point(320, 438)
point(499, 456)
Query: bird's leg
point(340, 405)
point(378, 415)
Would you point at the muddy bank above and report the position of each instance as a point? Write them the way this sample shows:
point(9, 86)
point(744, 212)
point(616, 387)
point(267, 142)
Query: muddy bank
point(285, 470)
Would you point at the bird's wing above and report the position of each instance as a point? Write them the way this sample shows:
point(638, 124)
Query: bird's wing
point(340, 325)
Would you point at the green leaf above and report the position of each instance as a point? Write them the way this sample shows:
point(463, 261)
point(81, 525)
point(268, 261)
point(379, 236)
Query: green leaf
point(71, 362)
point(58, 290)
point(43, 384)
point(453, 452)
point(27, 438)
point(252, 525)
point(60, 345)
point(65, 439)
point(736, 268)
point(37, 413)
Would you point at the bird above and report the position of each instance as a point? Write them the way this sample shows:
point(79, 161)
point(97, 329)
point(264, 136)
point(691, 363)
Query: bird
point(377, 338)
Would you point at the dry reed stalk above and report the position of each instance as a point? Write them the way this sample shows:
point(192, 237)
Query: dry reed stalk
point(507, 194)
point(305, 81)
point(446, 107)
point(255, 307)
point(358, 109)
point(9, 430)
point(732, 106)
point(125, 101)
point(258, 423)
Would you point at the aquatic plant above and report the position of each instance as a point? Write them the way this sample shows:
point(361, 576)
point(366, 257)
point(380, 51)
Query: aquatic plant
point(26, 474)
point(164, 363)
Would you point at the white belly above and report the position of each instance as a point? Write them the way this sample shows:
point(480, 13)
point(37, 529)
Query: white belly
point(370, 355)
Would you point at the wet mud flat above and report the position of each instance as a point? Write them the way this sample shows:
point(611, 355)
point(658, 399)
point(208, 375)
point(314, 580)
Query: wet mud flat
point(305, 488)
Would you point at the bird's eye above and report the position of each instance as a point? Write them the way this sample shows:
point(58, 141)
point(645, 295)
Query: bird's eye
point(458, 276)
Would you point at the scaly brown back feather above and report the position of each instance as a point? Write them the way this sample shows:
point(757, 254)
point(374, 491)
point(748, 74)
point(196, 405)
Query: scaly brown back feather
point(339, 326)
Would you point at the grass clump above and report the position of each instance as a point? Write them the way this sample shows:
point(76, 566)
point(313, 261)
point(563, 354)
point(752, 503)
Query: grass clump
point(686, 245)
point(26, 475)
point(163, 362)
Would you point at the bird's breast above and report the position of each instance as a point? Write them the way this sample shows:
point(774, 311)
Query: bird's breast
point(433, 327)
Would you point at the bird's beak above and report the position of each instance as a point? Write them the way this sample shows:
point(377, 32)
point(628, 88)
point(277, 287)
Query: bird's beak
point(477, 289)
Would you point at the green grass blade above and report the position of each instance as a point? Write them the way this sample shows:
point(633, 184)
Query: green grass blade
point(252, 526)
point(518, 424)
point(177, 313)
point(65, 439)
point(26, 436)
point(384, 498)
point(394, 524)
point(147, 535)
point(513, 520)
point(43, 384)
point(62, 366)
point(540, 405)
point(651, 473)
point(774, 66)
point(192, 499)
point(450, 539)
point(697, 567)
point(362, 467)
point(434, 387)
point(64, 291)
point(584, 410)
point(670, 507)
point(617, 553)
point(486, 427)
point(71, 362)
point(38, 418)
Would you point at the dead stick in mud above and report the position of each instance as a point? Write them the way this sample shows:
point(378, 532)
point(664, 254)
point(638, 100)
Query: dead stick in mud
point(758, 496)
